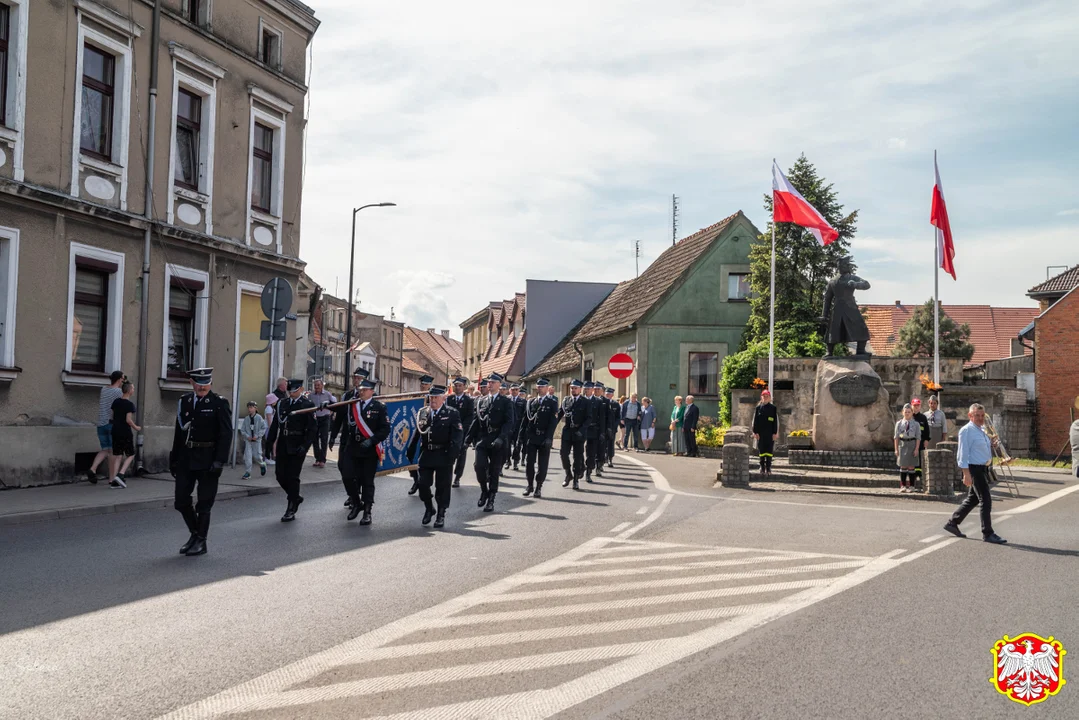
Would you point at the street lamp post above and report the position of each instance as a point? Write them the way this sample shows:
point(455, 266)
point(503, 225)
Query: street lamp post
point(351, 269)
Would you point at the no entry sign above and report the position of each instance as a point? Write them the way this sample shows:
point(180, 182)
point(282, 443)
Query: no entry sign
point(620, 365)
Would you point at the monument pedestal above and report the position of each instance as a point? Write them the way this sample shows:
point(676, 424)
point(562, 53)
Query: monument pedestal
point(850, 407)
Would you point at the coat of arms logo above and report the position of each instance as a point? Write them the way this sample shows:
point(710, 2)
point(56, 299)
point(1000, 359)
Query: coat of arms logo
point(1028, 668)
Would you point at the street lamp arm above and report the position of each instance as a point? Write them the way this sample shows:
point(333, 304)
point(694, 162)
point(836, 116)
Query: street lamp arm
point(382, 204)
point(351, 272)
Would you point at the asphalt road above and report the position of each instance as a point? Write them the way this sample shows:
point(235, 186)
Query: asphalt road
point(648, 594)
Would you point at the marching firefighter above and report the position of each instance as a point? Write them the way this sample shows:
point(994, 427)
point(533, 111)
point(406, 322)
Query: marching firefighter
point(465, 406)
point(537, 435)
point(491, 433)
point(292, 435)
point(576, 410)
point(369, 425)
point(441, 435)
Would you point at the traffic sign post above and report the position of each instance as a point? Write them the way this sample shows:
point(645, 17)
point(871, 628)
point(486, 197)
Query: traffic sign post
point(620, 366)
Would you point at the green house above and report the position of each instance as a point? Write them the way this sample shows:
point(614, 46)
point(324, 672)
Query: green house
point(677, 320)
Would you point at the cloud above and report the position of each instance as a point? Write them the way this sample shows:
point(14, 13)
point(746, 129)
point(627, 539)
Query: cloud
point(1065, 213)
point(541, 141)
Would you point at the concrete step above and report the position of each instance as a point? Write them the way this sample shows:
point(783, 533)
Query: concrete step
point(833, 479)
point(814, 469)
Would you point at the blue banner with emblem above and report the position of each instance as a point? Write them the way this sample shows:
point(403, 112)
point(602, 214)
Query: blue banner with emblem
point(402, 416)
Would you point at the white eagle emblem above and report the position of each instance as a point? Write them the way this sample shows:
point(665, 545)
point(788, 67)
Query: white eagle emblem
point(1028, 673)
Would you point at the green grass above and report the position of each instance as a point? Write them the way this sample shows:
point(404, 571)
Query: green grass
point(1027, 462)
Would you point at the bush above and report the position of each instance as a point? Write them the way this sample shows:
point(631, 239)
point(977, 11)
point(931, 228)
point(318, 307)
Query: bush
point(711, 436)
point(739, 371)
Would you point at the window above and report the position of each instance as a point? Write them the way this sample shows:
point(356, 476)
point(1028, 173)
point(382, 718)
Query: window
point(270, 45)
point(5, 33)
point(383, 337)
point(703, 373)
point(193, 10)
point(188, 125)
point(98, 80)
point(262, 168)
point(738, 287)
point(9, 278)
point(91, 315)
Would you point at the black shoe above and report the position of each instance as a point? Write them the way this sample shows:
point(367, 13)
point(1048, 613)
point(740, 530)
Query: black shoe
point(567, 481)
point(528, 490)
point(92, 477)
point(366, 519)
point(440, 519)
point(599, 473)
point(576, 486)
point(348, 502)
point(588, 478)
point(515, 469)
point(954, 530)
point(536, 495)
point(995, 539)
point(187, 545)
point(490, 506)
point(290, 511)
point(610, 464)
point(355, 509)
point(427, 515)
point(198, 548)
point(415, 489)
point(483, 499)
point(456, 483)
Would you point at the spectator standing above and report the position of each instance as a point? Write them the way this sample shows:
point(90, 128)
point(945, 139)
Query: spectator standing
point(766, 430)
point(648, 423)
point(123, 436)
point(973, 457)
point(631, 421)
point(321, 397)
point(678, 415)
point(104, 423)
point(281, 388)
point(907, 438)
point(689, 426)
point(1075, 447)
point(271, 410)
point(938, 423)
point(923, 423)
point(253, 430)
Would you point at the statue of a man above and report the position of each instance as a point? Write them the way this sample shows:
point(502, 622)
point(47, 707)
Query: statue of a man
point(842, 320)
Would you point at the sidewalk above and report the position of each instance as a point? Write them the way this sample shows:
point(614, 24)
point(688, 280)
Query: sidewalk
point(54, 502)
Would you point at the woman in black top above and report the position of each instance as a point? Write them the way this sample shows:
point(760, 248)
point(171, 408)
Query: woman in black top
point(765, 430)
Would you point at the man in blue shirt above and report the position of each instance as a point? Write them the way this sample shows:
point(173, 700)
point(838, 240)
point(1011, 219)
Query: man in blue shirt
point(974, 456)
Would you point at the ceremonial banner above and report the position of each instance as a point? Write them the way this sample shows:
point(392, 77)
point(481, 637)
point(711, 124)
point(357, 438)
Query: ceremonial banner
point(401, 412)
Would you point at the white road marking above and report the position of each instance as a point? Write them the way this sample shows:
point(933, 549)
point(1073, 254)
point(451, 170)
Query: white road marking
point(630, 532)
point(620, 527)
point(643, 510)
point(931, 538)
point(622, 572)
point(925, 551)
point(652, 497)
point(1042, 501)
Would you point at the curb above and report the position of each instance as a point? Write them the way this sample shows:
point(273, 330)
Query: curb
point(794, 488)
point(35, 516)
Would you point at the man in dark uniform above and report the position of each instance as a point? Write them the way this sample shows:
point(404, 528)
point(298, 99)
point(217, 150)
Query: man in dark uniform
point(504, 391)
point(413, 444)
point(923, 422)
point(614, 418)
point(597, 432)
point(491, 433)
point(441, 433)
point(465, 406)
point(519, 406)
point(340, 426)
point(297, 434)
point(368, 425)
point(537, 435)
point(576, 411)
point(201, 441)
point(842, 319)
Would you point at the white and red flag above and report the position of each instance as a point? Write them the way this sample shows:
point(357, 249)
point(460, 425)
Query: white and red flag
point(788, 205)
point(938, 216)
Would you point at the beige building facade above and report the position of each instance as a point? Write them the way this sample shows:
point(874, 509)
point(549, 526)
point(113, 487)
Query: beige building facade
point(225, 213)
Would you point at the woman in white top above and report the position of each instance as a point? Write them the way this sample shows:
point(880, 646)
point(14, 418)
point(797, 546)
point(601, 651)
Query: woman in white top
point(907, 435)
point(938, 423)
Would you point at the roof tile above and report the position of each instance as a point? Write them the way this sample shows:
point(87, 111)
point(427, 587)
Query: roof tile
point(1058, 284)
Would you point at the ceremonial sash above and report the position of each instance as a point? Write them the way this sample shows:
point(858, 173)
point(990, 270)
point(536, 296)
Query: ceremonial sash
point(366, 431)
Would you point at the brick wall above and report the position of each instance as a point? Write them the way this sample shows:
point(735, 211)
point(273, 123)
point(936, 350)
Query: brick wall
point(1056, 353)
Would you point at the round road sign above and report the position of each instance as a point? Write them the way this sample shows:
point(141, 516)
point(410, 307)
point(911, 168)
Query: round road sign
point(276, 304)
point(620, 365)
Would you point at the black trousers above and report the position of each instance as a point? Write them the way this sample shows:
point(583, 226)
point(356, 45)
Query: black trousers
point(361, 484)
point(572, 446)
point(610, 444)
point(459, 467)
point(186, 482)
point(766, 446)
point(532, 453)
point(593, 453)
point(488, 463)
point(441, 477)
point(287, 471)
point(517, 447)
point(691, 441)
point(978, 494)
point(322, 438)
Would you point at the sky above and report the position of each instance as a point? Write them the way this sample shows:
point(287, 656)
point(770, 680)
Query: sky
point(542, 140)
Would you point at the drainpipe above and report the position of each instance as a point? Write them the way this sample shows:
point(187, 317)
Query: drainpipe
point(148, 213)
point(581, 354)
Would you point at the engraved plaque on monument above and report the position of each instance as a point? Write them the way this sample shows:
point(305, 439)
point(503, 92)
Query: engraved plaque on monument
point(855, 390)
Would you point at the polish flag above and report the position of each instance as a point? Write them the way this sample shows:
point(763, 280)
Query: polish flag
point(788, 205)
point(938, 217)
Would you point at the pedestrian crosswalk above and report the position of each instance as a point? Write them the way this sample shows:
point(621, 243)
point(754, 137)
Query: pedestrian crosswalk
point(541, 641)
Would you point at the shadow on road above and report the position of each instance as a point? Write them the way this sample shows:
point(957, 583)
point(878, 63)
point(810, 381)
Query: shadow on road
point(1042, 550)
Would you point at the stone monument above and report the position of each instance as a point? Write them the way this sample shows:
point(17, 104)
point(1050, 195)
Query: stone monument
point(842, 320)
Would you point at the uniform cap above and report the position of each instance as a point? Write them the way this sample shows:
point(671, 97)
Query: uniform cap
point(460, 381)
point(437, 390)
point(495, 377)
point(427, 379)
point(483, 383)
point(294, 384)
point(609, 391)
point(543, 382)
point(360, 372)
point(368, 384)
point(576, 383)
point(202, 376)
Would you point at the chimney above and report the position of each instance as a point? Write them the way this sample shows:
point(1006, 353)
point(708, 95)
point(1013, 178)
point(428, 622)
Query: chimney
point(446, 334)
point(898, 303)
point(431, 330)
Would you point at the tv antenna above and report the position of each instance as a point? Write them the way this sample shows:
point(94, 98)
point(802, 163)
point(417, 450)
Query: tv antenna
point(674, 219)
point(637, 256)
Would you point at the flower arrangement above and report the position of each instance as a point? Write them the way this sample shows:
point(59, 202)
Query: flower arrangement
point(758, 384)
point(928, 384)
point(799, 433)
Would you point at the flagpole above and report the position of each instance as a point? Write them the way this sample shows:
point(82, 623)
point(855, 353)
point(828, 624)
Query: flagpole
point(772, 309)
point(936, 295)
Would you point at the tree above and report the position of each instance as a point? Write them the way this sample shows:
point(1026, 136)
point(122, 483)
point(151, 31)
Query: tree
point(803, 267)
point(916, 336)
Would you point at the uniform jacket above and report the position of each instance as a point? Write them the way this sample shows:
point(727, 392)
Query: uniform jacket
point(577, 412)
point(377, 419)
point(923, 421)
point(466, 408)
point(296, 432)
point(340, 419)
point(201, 420)
point(693, 416)
point(541, 418)
point(845, 322)
point(519, 406)
point(614, 417)
point(441, 444)
point(493, 421)
point(598, 427)
point(765, 420)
